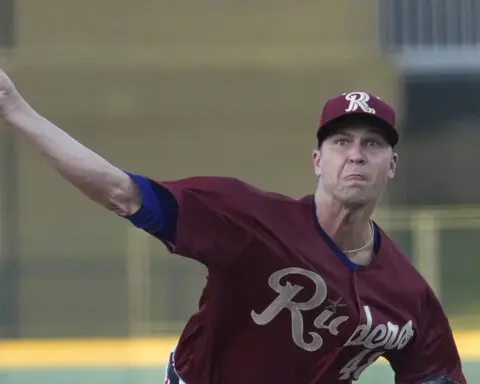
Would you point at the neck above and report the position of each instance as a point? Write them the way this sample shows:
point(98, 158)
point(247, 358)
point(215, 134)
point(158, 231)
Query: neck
point(348, 226)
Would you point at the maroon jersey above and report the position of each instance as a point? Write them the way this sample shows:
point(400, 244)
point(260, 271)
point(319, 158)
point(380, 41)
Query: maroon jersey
point(284, 305)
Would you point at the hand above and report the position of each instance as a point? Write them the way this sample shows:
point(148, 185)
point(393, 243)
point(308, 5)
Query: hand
point(12, 104)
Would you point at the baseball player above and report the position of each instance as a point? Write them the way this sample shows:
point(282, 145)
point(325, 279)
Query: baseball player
point(307, 290)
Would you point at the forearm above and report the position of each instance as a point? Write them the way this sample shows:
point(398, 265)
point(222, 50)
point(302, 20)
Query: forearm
point(93, 175)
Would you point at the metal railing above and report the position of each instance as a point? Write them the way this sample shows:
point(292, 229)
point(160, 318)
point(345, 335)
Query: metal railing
point(429, 24)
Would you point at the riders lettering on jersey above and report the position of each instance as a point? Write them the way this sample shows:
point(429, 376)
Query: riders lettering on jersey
point(385, 336)
point(313, 315)
point(372, 340)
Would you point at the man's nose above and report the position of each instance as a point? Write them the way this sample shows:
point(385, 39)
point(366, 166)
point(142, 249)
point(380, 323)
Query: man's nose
point(355, 155)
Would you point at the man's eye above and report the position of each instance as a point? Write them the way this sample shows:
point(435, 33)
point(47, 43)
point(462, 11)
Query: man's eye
point(373, 143)
point(341, 141)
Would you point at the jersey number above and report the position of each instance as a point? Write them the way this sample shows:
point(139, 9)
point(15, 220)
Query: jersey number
point(354, 368)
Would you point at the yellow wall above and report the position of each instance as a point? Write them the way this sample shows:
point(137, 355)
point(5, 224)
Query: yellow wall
point(134, 352)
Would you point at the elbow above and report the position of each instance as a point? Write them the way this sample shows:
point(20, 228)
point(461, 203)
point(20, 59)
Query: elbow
point(124, 201)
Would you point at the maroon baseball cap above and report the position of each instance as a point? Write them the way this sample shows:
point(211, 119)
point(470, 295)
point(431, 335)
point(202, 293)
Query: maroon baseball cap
point(358, 103)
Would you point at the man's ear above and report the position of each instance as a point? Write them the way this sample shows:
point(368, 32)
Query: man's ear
point(393, 165)
point(316, 156)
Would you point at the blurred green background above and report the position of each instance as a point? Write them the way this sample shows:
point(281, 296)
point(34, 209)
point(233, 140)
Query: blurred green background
point(173, 89)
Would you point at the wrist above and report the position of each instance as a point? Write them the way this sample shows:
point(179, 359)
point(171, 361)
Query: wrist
point(19, 113)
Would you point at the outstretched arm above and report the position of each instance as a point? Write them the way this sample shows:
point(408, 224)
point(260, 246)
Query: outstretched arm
point(195, 217)
point(93, 175)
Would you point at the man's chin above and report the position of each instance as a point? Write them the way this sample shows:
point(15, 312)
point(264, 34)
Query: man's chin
point(356, 199)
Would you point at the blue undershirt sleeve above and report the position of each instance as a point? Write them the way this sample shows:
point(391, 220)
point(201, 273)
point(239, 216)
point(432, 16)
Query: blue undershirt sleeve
point(159, 211)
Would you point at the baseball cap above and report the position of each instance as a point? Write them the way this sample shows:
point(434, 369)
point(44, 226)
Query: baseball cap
point(358, 103)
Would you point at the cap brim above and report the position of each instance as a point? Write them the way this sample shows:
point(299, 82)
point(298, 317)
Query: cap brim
point(389, 133)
